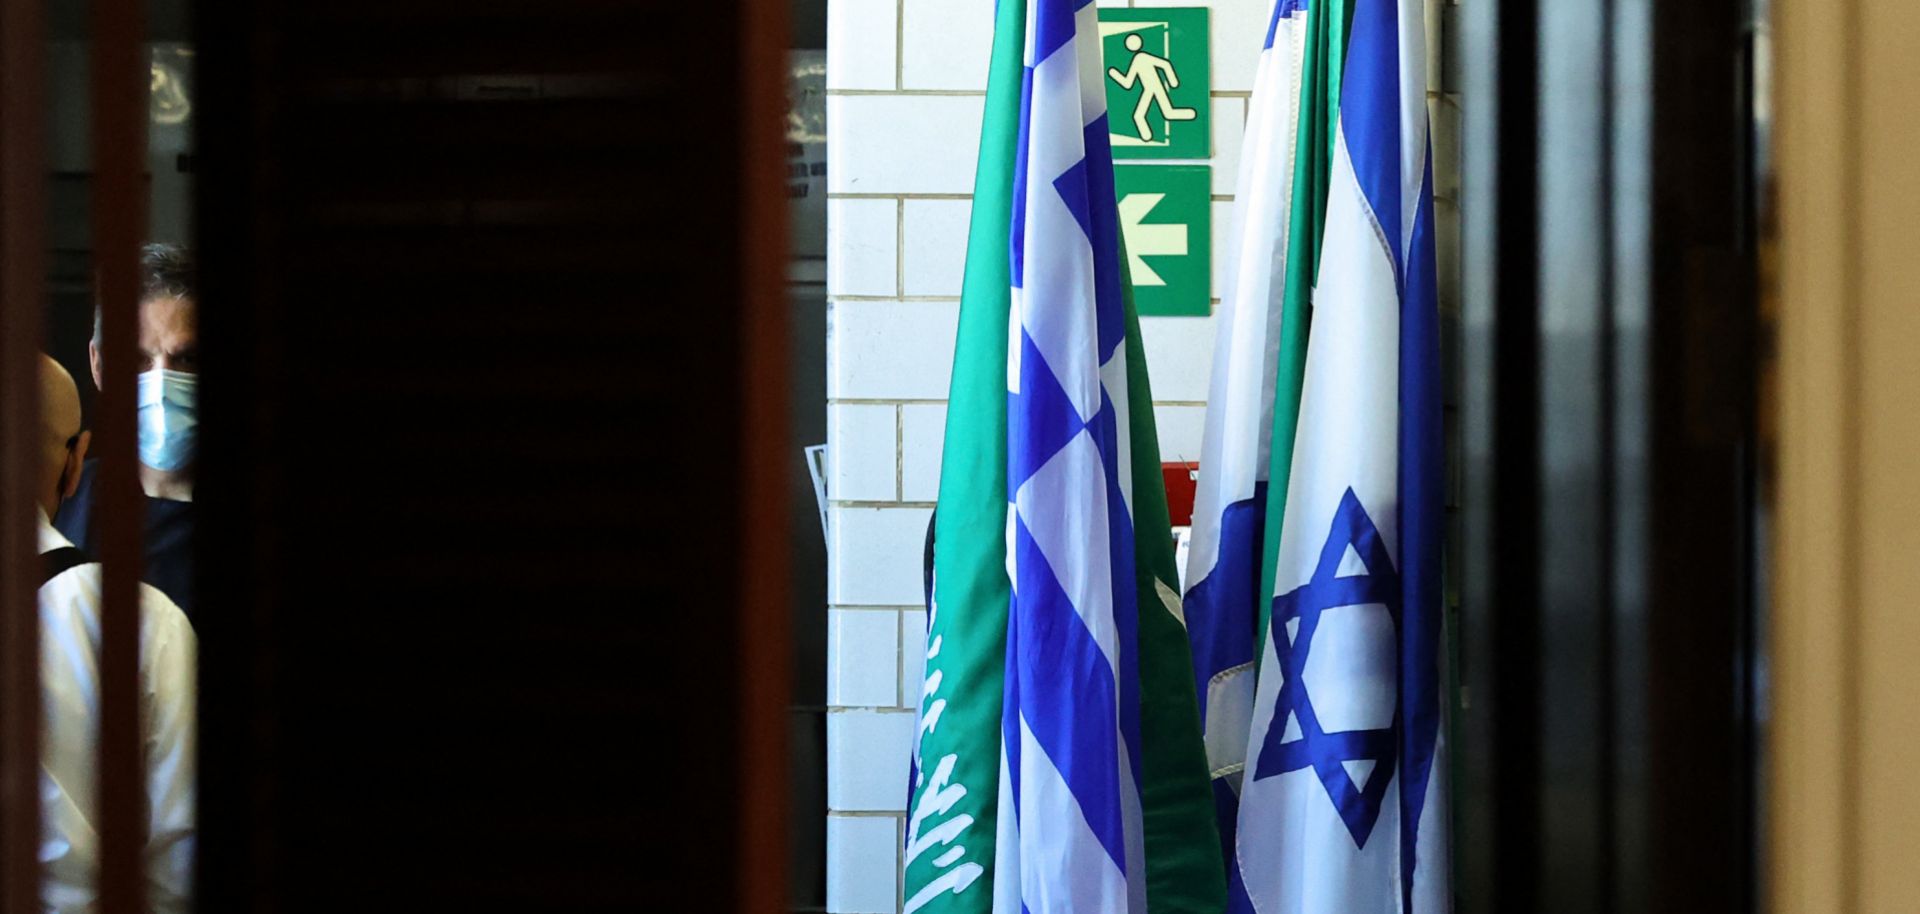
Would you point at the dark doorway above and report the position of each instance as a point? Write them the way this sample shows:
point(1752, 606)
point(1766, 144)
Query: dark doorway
point(494, 482)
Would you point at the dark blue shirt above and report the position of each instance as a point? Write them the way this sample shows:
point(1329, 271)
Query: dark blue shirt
point(169, 538)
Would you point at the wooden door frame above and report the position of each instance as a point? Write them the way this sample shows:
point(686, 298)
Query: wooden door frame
point(23, 284)
point(765, 603)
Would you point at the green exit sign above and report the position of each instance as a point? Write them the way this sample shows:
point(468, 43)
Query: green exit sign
point(1157, 79)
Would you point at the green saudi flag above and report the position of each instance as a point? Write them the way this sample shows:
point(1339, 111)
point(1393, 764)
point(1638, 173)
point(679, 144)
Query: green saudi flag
point(953, 803)
point(1326, 49)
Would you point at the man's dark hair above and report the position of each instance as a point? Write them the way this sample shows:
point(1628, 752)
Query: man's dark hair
point(166, 271)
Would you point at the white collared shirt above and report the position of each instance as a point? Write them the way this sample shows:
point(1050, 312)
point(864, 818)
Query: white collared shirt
point(70, 686)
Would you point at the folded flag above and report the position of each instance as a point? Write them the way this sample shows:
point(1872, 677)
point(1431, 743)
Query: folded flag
point(1054, 600)
point(1228, 545)
point(1343, 801)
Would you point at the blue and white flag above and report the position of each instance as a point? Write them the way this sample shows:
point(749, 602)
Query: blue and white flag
point(1343, 803)
point(1070, 836)
point(1227, 546)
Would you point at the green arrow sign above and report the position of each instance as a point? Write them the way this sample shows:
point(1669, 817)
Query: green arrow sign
point(1165, 213)
point(1157, 82)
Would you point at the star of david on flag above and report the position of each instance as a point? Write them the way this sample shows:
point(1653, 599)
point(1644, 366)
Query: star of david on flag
point(1354, 765)
point(1343, 808)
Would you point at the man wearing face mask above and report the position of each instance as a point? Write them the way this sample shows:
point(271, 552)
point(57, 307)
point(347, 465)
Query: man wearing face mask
point(69, 603)
point(169, 378)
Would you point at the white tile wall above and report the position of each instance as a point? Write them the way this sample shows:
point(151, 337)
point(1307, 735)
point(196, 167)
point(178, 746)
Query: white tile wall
point(947, 44)
point(936, 246)
point(863, 859)
point(913, 656)
point(1222, 224)
point(867, 758)
point(861, 443)
point(860, 44)
point(923, 431)
point(874, 556)
point(1180, 429)
point(862, 259)
point(902, 144)
point(862, 657)
point(1179, 356)
point(1228, 122)
point(889, 350)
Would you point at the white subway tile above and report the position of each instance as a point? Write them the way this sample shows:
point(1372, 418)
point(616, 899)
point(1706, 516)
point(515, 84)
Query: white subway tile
point(860, 44)
point(1229, 125)
point(903, 144)
point(863, 864)
point(863, 246)
point(890, 350)
point(1179, 356)
point(867, 759)
point(1237, 28)
point(863, 662)
point(923, 432)
point(936, 246)
point(948, 43)
point(1222, 224)
point(874, 556)
point(1181, 428)
point(862, 452)
point(913, 656)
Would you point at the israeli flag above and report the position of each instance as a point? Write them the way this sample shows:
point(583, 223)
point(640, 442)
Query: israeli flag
point(1070, 836)
point(1227, 546)
point(1343, 803)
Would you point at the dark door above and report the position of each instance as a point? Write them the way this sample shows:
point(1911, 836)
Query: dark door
point(494, 519)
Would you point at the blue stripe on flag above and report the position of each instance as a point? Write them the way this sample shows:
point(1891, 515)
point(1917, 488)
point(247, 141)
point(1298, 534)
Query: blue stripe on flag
point(1221, 610)
point(1109, 310)
point(1239, 901)
point(1017, 234)
point(1370, 115)
point(1010, 719)
point(1422, 503)
point(1072, 187)
point(1061, 660)
point(1043, 414)
point(1053, 27)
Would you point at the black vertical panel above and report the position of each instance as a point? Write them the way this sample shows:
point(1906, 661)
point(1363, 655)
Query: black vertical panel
point(1573, 511)
point(470, 559)
point(1608, 604)
point(1702, 358)
point(1498, 797)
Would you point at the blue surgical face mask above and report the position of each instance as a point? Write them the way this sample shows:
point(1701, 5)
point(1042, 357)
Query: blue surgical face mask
point(169, 424)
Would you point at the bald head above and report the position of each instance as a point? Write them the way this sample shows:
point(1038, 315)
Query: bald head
point(59, 426)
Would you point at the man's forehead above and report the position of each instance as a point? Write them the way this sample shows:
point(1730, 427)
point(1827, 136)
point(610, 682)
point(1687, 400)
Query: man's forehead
point(168, 311)
point(168, 303)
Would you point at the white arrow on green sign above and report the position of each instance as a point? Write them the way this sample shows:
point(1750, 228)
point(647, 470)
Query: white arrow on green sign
point(1165, 215)
point(1144, 239)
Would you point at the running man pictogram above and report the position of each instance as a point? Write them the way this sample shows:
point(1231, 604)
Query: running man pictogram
point(1147, 71)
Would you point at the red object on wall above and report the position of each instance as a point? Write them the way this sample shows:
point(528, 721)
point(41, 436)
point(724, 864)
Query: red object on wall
point(1180, 484)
